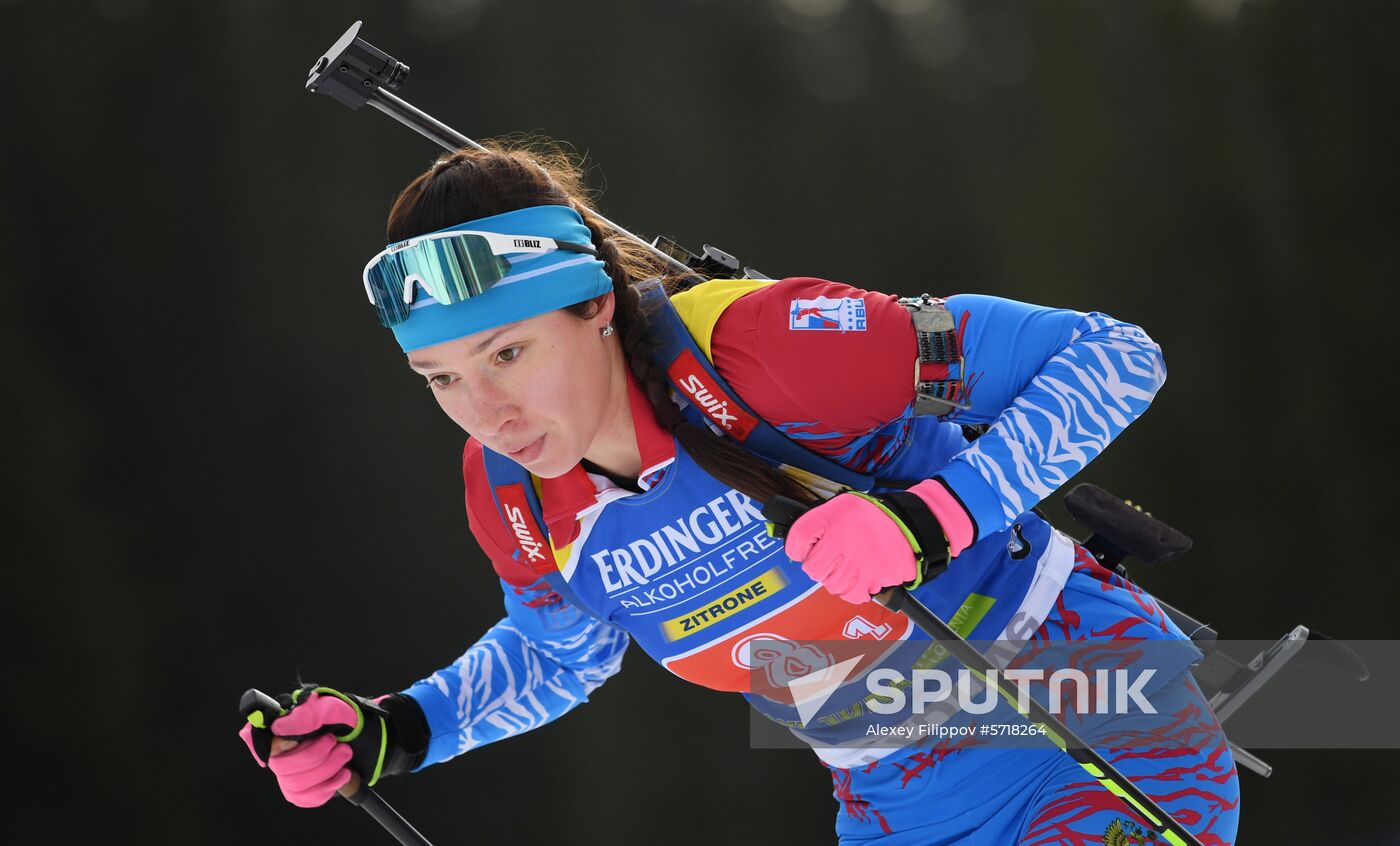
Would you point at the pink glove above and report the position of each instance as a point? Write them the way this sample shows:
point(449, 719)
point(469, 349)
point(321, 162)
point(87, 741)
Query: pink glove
point(851, 547)
point(855, 549)
point(310, 774)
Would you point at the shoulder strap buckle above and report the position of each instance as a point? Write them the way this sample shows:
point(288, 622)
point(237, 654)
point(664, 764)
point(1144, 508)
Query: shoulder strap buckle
point(929, 314)
point(936, 330)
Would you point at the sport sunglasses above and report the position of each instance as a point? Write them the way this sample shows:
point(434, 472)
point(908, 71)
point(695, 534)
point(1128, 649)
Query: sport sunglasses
point(451, 267)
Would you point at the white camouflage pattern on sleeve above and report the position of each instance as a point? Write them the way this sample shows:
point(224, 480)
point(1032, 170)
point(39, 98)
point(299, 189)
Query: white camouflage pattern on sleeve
point(530, 668)
point(1102, 378)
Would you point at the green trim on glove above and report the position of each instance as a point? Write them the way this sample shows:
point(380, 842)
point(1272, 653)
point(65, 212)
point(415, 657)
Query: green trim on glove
point(908, 535)
point(359, 713)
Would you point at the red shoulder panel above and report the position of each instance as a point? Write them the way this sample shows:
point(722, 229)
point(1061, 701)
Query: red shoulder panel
point(810, 350)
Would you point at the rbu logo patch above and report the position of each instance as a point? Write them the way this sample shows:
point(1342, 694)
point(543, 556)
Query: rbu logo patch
point(844, 314)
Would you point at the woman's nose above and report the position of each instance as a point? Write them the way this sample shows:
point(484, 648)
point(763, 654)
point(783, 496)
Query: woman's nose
point(496, 421)
point(491, 410)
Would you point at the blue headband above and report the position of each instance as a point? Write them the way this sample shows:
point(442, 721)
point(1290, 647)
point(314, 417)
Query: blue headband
point(534, 286)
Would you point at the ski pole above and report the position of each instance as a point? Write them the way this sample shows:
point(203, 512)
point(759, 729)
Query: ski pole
point(782, 512)
point(254, 700)
point(385, 815)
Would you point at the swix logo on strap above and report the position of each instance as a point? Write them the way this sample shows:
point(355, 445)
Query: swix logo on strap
point(702, 391)
point(522, 523)
point(833, 314)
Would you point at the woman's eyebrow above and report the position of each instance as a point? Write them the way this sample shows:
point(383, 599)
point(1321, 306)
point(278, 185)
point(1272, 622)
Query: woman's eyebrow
point(490, 339)
point(476, 350)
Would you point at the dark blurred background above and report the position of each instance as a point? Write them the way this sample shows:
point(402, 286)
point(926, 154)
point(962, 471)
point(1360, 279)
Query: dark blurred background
point(220, 473)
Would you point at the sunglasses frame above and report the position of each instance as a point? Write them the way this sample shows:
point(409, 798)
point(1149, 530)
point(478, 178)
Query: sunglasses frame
point(500, 245)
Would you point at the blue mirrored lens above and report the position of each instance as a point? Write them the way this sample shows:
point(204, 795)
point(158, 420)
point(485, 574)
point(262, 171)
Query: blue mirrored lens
point(450, 269)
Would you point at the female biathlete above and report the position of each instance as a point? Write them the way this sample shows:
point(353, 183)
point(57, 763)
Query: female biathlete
point(616, 502)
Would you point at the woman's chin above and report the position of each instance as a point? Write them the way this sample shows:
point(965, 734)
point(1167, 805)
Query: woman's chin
point(549, 467)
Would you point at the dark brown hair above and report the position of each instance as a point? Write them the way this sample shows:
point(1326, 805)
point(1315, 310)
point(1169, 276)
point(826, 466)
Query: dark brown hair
point(471, 184)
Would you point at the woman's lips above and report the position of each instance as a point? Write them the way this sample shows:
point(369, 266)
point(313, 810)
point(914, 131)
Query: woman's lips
point(530, 451)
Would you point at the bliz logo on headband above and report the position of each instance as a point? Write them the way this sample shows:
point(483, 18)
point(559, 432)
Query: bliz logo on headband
point(522, 522)
point(705, 395)
point(844, 314)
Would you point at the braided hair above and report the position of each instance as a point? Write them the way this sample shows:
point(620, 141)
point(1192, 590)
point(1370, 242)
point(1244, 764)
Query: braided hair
point(509, 175)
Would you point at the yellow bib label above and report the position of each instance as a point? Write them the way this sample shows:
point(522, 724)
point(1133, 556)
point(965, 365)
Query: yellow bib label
point(755, 590)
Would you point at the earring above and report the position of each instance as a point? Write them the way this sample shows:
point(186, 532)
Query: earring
point(608, 330)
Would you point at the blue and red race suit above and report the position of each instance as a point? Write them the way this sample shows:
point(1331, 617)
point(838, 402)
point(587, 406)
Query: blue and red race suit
point(687, 569)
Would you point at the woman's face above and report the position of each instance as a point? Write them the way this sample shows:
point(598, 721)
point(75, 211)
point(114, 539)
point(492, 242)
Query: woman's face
point(539, 391)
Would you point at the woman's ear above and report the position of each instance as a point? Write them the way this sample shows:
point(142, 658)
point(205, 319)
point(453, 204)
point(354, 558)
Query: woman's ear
point(607, 306)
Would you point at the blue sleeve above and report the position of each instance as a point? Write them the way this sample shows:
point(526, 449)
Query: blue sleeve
point(530, 668)
point(1056, 386)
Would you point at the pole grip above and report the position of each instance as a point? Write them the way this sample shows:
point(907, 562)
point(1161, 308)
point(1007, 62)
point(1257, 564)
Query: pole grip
point(781, 512)
point(255, 701)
